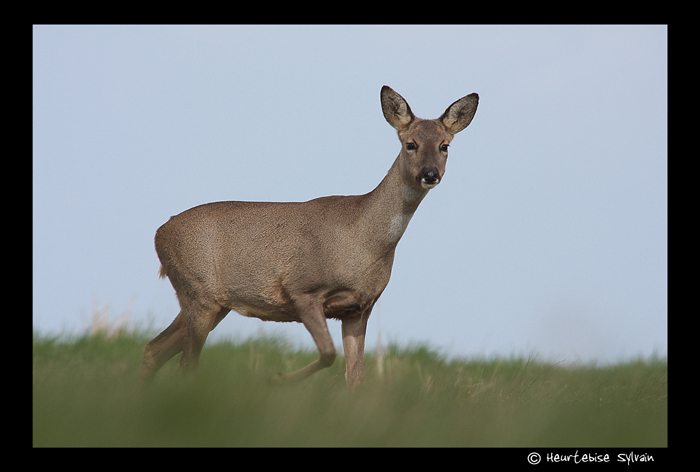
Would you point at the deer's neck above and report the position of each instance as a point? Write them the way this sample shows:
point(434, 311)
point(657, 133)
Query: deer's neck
point(391, 206)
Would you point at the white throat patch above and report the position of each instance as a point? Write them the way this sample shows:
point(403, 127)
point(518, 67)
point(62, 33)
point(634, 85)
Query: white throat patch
point(398, 225)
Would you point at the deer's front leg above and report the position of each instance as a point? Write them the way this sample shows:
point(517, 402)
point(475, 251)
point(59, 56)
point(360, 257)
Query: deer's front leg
point(354, 329)
point(312, 316)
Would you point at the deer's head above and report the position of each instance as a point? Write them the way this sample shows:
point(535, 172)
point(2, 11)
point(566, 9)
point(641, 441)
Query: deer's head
point(424, 143)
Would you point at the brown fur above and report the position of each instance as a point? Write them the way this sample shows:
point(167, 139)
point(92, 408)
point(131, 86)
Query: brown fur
point(330, 257)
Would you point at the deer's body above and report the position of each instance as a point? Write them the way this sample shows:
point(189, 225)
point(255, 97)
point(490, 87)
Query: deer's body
point(257, 282)
point(330, 257)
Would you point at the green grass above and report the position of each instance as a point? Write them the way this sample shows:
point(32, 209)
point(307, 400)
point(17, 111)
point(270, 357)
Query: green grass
point(85, 394)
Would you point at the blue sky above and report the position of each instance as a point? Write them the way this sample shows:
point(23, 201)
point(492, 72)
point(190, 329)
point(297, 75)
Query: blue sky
point(547, 235)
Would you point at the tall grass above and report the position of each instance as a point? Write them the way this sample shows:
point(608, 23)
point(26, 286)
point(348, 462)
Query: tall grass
point(85, 394)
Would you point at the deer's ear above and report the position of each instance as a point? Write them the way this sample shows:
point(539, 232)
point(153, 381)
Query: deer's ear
point(396, 109)
point(460, 113)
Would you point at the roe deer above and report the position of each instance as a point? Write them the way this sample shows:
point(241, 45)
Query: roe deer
point(330, 257)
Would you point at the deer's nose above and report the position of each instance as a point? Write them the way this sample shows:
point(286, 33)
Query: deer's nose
point(429, 177)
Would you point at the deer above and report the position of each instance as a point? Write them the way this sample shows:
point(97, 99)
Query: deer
point(306, 262)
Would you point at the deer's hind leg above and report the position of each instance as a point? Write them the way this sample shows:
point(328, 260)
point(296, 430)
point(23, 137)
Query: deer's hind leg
point(161, 348)
point(199, 322)
point(186, 334)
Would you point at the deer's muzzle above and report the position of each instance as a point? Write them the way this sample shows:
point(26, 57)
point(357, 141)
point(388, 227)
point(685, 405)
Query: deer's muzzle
point(429, 177)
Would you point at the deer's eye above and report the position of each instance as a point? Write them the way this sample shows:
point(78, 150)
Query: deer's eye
point(411, 146)
point(443, 147)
